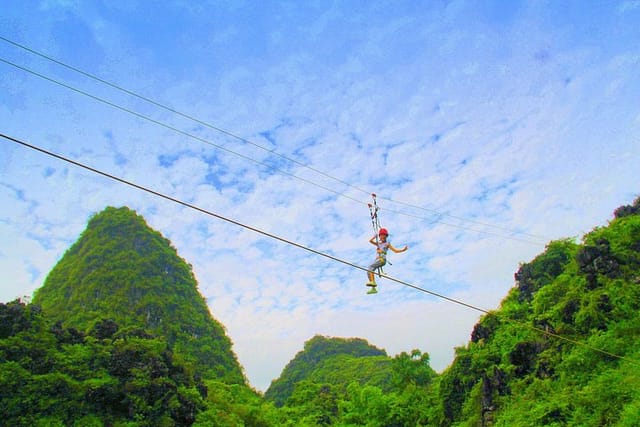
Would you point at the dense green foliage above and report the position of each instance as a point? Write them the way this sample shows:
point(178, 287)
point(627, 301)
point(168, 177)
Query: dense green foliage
point(364, 390)
point(124, 339)
point(350, 382)
point(563, 348)
point(313, 360)
point(123, 270)
point(55, 376)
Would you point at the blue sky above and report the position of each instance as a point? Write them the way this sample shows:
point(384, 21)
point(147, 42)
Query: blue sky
point(485, 128)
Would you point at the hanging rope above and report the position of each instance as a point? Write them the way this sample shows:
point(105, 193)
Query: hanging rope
point(375, 222)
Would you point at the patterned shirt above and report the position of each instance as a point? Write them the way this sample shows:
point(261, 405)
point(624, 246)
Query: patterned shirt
point(383, 247)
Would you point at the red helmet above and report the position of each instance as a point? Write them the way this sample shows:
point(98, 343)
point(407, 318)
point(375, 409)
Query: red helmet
point(383, 231)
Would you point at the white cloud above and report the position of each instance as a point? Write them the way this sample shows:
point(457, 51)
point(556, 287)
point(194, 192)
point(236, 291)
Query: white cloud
point(628, 6)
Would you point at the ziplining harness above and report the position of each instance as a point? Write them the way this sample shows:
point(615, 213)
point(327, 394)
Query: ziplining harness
point(375, 222)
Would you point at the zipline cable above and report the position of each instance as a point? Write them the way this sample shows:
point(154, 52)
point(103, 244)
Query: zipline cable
point(248, 158)
point(173, 128)
point(309, 249)
point(271, 151)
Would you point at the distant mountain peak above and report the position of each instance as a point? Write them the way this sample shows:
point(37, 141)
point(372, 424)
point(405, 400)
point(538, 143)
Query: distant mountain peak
point(316, 352)
point(121, 269)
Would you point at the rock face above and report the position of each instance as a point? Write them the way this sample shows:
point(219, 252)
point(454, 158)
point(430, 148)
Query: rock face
point(122, 270)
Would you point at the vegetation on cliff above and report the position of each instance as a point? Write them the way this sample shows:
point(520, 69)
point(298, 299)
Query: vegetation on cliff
point(122, 270)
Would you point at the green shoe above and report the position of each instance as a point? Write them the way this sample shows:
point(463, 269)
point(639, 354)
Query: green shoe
point(372, 284)
point(373, 290)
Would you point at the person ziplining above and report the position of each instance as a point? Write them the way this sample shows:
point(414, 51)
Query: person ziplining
point(382, 244)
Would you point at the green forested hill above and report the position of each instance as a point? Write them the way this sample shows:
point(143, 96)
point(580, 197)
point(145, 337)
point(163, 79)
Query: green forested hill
point(122, 270)
point(311, 363)
point(347, 381)
point(563, 349)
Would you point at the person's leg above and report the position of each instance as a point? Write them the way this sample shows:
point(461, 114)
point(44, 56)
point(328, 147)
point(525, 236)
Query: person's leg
point(370, 273)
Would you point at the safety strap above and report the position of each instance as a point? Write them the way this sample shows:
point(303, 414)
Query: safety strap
point(375, 222)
